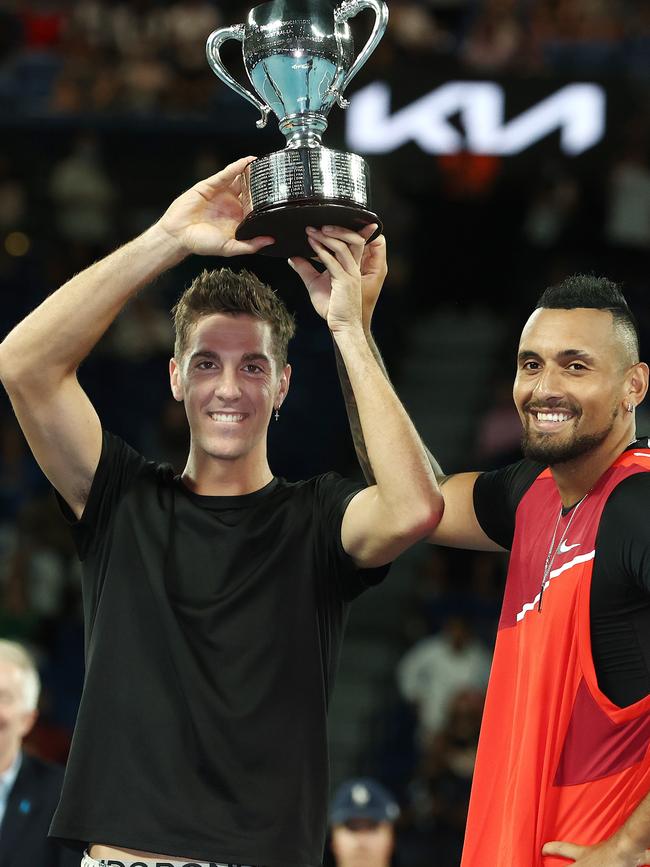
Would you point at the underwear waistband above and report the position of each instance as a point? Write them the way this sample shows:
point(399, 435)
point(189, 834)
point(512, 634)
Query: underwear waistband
point(87, 861)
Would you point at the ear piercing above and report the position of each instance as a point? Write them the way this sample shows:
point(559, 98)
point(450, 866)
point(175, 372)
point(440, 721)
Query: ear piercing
point(629, 407)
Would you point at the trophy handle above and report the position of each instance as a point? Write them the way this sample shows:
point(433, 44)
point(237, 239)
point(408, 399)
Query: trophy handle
point(214, 43)
point(349, 9)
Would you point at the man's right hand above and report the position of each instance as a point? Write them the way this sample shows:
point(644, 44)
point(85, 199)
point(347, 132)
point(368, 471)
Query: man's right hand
point(203, 219)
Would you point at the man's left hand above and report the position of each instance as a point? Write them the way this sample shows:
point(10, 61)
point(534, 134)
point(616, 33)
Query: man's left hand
point(607, 854)
point(370, 259)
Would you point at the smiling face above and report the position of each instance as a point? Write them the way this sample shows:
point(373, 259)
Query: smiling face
point(575, 377)
point(230, 382)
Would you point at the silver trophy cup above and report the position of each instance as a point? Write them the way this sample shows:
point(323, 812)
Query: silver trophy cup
point(299, 57)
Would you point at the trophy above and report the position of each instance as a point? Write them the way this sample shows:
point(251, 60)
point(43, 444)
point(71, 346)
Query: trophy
point(299, 57)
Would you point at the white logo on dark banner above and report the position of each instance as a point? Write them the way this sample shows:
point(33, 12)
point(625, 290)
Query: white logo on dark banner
point(576, 110)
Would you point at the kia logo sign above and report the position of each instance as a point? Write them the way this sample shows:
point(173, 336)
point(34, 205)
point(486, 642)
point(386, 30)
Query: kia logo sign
point(576, 110)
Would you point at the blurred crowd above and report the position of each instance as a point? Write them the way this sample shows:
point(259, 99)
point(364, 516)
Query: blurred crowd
point(467, 232)
point(146, 56)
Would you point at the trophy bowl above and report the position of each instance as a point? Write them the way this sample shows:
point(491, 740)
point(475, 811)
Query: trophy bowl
point(299, 57)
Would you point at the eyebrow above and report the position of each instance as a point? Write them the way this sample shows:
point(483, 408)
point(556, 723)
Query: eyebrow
point(214, 356)
point(256, 356)
point(564, 355)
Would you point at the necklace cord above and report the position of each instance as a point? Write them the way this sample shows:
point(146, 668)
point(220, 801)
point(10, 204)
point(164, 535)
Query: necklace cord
point(552, 553)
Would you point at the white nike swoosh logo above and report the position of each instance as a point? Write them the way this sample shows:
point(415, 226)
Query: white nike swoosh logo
point(564, 547)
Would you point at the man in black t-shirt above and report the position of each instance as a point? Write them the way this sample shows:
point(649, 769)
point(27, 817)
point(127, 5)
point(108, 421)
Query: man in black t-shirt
point(578, 382)
point(214, 601)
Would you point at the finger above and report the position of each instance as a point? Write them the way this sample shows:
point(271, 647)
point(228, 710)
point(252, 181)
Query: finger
point(564, 850)
point(376, 243)
point(374, 257)
point(340, 249)
point(227, 175)
point(304, 269)
point(327, 257)
point(348, 235)
point(368, 230)
point(237, 185)
point(355, 241)
point(375, 249)
point(244, 248)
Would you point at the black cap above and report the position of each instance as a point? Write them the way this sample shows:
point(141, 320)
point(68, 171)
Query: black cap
point(363, 799)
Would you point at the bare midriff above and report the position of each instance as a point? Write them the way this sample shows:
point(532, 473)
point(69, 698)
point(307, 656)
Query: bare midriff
point(98, 850)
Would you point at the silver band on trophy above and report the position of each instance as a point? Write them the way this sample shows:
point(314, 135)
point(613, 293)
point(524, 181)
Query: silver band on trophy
point(299, 57)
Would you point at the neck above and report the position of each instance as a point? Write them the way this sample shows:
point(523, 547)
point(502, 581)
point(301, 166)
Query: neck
point(226, 477)
point(575, 479)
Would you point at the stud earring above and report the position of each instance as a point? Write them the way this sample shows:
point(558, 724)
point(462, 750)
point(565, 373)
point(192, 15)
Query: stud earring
point(630, 408)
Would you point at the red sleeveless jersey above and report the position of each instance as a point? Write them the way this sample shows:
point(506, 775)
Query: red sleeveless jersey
point(557, 760)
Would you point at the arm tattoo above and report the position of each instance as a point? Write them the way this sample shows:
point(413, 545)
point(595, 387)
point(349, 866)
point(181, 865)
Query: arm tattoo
point(355, 423)
point(353, 419)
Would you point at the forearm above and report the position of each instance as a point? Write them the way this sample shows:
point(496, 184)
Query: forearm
point(396, 458)
point(353, 418)
point(353, 415)
point(55, 338)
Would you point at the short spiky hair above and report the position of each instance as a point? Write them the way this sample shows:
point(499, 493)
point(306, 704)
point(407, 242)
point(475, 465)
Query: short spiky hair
point(599, 293)
point(226, 291)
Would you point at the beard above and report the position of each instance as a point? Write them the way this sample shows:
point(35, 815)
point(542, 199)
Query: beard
point(544, 448)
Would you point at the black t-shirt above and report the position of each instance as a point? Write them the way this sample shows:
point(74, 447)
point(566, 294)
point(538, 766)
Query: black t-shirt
point(620, 584)
point(213, 629)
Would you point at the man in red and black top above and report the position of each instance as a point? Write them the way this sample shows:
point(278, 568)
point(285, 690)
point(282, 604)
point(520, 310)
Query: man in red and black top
point(563, 767)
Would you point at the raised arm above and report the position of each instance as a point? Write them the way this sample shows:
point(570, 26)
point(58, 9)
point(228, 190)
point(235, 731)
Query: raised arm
point(40, 357)
point(405, 504)
point(458, 527)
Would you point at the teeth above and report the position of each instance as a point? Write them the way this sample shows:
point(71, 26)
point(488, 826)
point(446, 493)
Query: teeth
point(226, 416)
point(552, 416)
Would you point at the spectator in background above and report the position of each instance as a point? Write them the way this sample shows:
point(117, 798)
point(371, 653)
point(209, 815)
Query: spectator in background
point(440, 791)
point(578, 34)
point(83, 195)
point(136, 25)
point(187, 23)
point(144, 81)
point(438, 667)
point(628, 211)
point(13, 197)
point(362, 817)
point(143, 330)
point(498, 439)
point(20, 477)
point(450, 14)
point(42, 565)
point(90, 20)
point(43, 24)
point(495, 37)
point(552, 208)
point(29, 787)
point(11, 33)
point(414, 28)
point(637, 42)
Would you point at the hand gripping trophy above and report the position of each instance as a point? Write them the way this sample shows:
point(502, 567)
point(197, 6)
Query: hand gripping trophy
point(299, 57)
